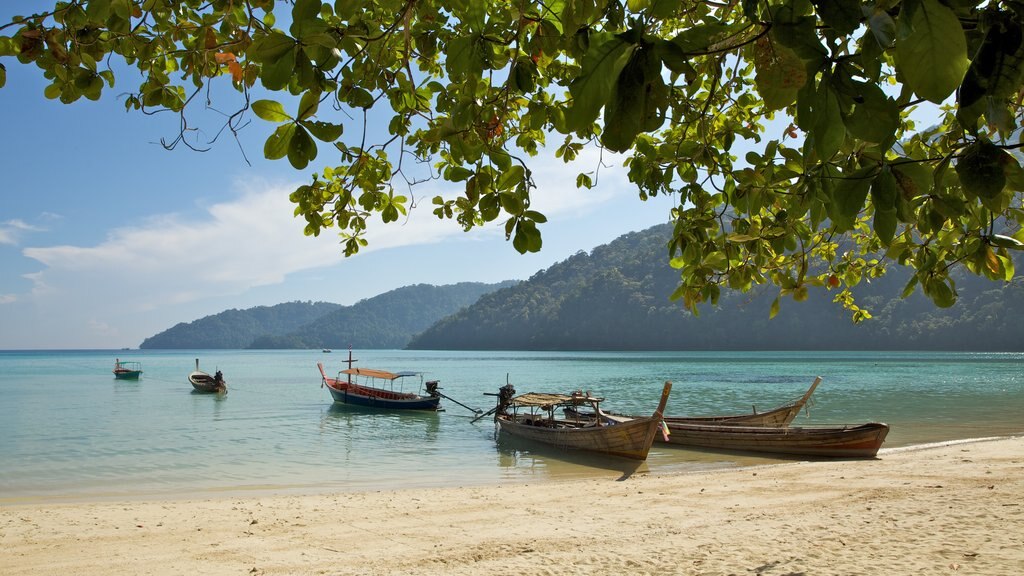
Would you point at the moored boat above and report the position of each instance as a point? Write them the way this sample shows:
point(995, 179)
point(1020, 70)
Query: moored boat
point(203, 382)
point(838, 441)
point(372, 392)
point(531, 416)
point(127, 370)
point(776, 417)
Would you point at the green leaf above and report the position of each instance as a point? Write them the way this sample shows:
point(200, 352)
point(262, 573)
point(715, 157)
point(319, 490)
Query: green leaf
point(1006, 242)
point(997, 67)
point(875, 117)
point(511, 178)
point(829, 130)
point(3, 75)
point(591, 90)
point(884, 224)
point(306, 9)
point(637, 102)
point(780, 74)
point(882, 26)
point(276, 73)
point(673, 57)
point(981, 169)
point(884, 197)
point(271, 47)
point(323, 131)
point(774, 310)
point(850, 194)
point(931, 49)
point(884, 190)
point(309, 104)
point(270, 110)
point(277, 145)
point(843, 16)
point(940, 293)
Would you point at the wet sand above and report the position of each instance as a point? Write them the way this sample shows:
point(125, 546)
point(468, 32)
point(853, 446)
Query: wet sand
point(941, 509)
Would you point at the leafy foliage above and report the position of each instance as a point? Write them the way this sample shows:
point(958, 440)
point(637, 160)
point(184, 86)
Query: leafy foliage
point(839, 179)
point(615, 298)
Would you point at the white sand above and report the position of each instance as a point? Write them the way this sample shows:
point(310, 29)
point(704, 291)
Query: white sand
point(955, 508)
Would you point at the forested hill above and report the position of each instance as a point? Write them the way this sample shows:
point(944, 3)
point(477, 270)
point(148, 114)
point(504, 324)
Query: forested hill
point(233, 329)
point(385, 321)
point(389, 320)
point(616, 298)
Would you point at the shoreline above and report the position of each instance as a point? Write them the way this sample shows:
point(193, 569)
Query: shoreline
point(945, 506)
point(747, 461)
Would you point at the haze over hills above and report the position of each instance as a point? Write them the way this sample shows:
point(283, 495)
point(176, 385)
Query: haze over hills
point(385, 321)
point(617, 298)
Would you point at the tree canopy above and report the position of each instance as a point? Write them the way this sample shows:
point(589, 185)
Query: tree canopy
point(838, 179)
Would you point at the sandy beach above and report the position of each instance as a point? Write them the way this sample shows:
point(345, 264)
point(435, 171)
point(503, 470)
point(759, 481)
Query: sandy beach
point(952, 508)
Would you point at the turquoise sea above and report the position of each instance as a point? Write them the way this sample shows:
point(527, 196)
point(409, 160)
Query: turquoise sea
point(70, 431)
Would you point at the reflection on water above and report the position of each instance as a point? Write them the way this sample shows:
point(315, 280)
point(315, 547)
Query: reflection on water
point(379, 424)
point(521, 455)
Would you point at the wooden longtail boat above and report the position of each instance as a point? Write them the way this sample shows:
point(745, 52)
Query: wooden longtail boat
point(127, 370)
point(840, 441)
point(347, 391)
point(532, 416)
point(203, 382)
point(776, 417)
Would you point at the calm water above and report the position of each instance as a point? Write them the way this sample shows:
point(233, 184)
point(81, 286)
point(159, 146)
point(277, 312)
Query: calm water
point(69, 430)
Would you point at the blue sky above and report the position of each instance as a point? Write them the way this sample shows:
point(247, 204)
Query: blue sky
point(107, 238)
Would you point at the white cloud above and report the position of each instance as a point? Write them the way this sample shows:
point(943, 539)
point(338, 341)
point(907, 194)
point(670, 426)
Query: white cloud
point(119, 291)
point(11, 231)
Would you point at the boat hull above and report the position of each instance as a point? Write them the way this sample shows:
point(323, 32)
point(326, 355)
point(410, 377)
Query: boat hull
point(377, 398)
point(127, 374)
point(629, 439)
point(860, 441)
point(206, 384)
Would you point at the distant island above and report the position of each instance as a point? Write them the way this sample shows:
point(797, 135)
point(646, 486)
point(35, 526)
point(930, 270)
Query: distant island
point(386, 321)
point(616, 297)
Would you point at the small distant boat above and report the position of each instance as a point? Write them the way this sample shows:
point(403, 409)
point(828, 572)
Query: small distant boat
point(203, 382)
point(774, 418)
point(327, 350)
point(127, 370)
point(373, 394)
point(532, 416)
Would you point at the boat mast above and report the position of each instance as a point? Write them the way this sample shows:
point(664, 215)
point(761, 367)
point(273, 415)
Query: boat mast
point(350, 361)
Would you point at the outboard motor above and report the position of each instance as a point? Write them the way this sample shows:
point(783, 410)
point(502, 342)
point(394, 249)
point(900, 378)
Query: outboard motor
point(505, 395)
point(432, 388)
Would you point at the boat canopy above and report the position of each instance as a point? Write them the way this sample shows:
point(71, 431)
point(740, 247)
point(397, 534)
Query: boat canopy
point(370, 373)
point(547, 401)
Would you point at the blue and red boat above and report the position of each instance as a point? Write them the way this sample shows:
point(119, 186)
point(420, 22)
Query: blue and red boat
point(379, 388)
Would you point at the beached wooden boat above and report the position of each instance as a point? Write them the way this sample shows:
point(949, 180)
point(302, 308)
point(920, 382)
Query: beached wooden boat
point(839, 441)
point(127, 370)
point(532, 417)
point(372, 392)
point(203, 382)
point(776, 417)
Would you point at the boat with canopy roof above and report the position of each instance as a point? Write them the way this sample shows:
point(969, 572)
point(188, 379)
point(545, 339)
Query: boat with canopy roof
point(538, 417)
point(379, 388)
